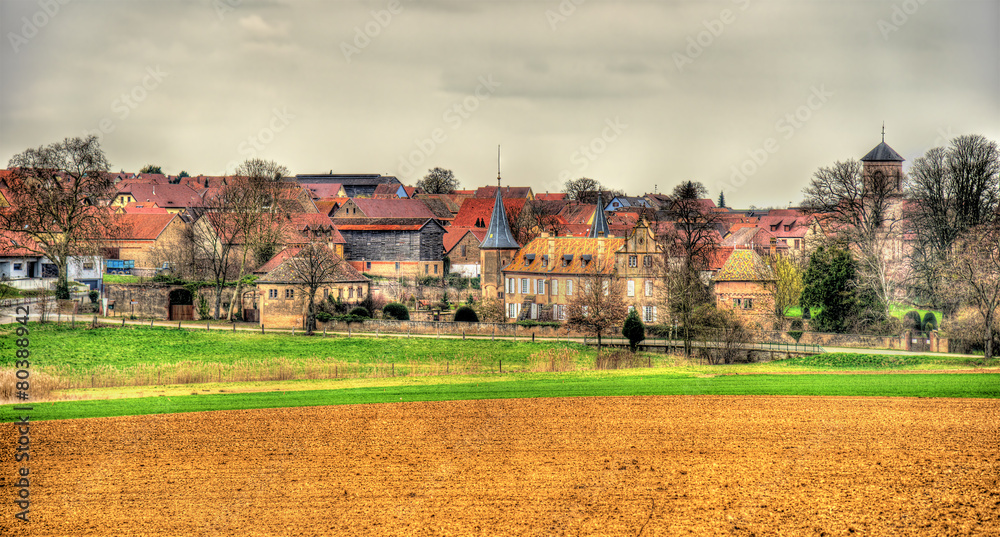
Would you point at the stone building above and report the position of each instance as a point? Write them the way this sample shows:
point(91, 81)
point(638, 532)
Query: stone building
point(746, 284)
point(283, 298)
point(547, 273)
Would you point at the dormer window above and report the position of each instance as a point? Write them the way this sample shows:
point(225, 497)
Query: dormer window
point(567, 259)
point(585, 259)
point(529, 258)
point(545, 261)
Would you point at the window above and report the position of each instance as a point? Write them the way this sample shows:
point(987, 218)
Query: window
point(631, 288)
point(545, 261)
point(633, 261)
point(796, 244)
point(647, 261)
point(569, 287)
point(605, 287)
point(540, 286)
point(427, 269)
point(272, 293)
point(289, 293)
point(463, 250)
point(566, 261)
point(649, 288)
point(350, 292)
point(524, 286)
point(435, 269)
point(88, 266)
point(511, 286)
point(340, 294)
point(17, 266)
point(748, 303)
point(554, 284)
point(397, 266)
point(560, 312)
point(649, 314)
point(326, 293)
point(361, 292)
point(368, 265)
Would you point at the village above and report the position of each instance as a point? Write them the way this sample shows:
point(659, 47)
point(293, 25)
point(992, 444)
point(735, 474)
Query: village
point(268, 248)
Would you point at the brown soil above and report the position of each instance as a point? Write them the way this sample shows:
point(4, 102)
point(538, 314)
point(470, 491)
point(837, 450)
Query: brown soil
point(704, 465)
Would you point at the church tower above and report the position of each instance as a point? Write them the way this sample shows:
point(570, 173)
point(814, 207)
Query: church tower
point(498, 248)
point(600, 227)
point(883, 164)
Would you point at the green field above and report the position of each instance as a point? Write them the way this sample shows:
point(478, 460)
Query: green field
point(189, 371)
point(895, 309)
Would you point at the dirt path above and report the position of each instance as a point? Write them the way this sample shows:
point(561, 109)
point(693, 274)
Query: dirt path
point(704, 465)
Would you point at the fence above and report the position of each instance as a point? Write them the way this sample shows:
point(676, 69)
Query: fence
point(667, 345)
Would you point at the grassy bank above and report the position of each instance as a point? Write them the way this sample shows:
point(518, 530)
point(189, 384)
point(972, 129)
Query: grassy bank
point(554, 385)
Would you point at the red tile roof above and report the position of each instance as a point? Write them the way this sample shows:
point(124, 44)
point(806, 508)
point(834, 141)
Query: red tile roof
point(479, 210)
point(323, 191)
point(392, 208)
point(551, 197)
point(165, 195)
point(17, 244)
point(506, 192)
point(143, 227)
point(454, 235)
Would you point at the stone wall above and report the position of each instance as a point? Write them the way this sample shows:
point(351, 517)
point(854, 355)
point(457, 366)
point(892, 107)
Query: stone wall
point(451, 328)
point(903, 342)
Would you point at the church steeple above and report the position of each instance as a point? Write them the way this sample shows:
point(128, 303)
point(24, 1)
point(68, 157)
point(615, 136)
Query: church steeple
point(498, 235)
point(883, 161)
point(600, 227)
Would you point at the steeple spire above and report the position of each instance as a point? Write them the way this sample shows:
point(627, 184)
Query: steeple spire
point(498, 235)
point(600, 227)
point(883, 132)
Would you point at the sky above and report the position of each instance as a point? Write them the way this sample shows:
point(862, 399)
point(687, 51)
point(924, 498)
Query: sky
point(748, 97)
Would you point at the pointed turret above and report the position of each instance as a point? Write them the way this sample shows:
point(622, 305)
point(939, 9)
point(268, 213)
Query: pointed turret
point(600, 227)
point(498, 235)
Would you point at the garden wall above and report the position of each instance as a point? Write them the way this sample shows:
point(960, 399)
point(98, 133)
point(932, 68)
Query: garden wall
point(451, 328)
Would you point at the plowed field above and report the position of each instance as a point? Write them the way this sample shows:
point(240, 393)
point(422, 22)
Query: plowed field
point(700, 465)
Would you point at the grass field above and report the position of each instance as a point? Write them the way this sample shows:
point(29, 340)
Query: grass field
point(141, 370)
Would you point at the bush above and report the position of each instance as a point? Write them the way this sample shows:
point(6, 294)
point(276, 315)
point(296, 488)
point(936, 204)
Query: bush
point(930, 322)
point(360, 312)
point(911, 321)
point(395, 310)
point(465, 314)
point(324, 317)
point(796, 334)
point(94, 295)
point(429, 281)
point(796, 325)
point(634, 330)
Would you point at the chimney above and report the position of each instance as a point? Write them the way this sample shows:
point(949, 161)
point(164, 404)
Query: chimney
point(551, 243)
point(774, 246)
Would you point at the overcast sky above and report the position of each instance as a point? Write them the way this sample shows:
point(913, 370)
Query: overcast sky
point(748, 96)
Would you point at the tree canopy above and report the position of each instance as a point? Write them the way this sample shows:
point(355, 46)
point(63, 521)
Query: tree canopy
point(438, 181)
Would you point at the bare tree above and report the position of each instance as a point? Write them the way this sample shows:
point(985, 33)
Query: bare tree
point(576, 189)
point(973, 274)
point(254, 202)
point(599, 307)
point(312, 266)
point(490, 310)
point(55, 192)
point(787, 284)
point(691, 237)
point(856, 210)
point(214, 236)
point(438, 181)
point(950, 190)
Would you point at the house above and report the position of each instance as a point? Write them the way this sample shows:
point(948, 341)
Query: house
point(627, 202)
point(383, 208)
point(323, 191)
point(394, 247)
point(548, 272)
point(173, 198)
point(354, 185)
point(148, 239)
point(461, 247)
point(22, 265)
point(283, 300)
point(488, 192)
point(745, 284)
